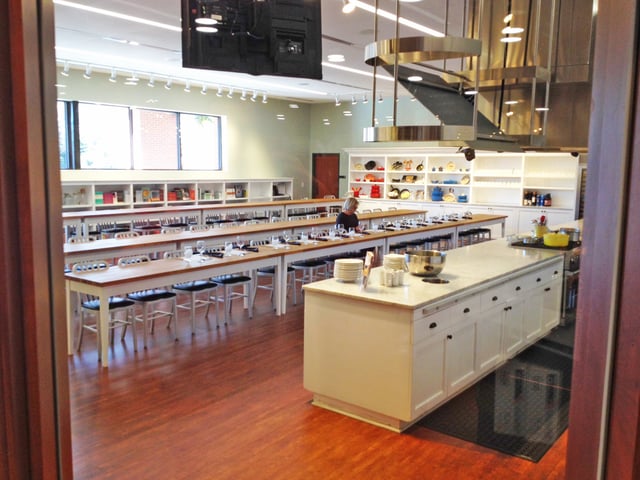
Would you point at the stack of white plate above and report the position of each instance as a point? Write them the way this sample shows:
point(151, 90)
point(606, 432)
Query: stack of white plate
point(393, 261)
point(348, 269)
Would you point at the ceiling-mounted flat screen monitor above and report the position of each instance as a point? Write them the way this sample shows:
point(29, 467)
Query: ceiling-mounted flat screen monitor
point(268, 37)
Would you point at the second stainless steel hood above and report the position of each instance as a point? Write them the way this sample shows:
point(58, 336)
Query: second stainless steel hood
point(455, 112)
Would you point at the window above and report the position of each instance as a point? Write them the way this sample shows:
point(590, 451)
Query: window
point(199, 135)
point(155, 140)
point(63, 133)
point(115, 137)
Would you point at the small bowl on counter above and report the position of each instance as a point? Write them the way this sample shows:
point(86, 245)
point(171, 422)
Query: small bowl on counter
point(425, 263)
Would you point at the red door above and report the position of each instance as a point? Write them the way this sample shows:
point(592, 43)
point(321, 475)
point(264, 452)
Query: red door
point(325, 171)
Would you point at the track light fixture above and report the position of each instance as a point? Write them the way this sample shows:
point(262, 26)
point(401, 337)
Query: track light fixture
point(151, 83)
point(244, 96)
point(254, 96)
point(365, 99)
point(264, 98)
point(168, 84)
point(65, 70)
point(204, 90)
point(348, 6)
point(187, 87)
point(338, 102)
point(469, 153)
point(87, 72)
point(230, 94)
point(380, 100)
point(353, 100)
point(113, 78)
point(219, 92)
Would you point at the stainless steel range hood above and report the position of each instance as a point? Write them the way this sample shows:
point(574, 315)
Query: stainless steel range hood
point(455, 112)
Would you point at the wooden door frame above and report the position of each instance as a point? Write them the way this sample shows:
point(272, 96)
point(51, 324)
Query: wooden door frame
point(604, 412)
point(34, 400)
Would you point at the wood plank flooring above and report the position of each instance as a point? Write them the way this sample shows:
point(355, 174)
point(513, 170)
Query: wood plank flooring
point(229, 404)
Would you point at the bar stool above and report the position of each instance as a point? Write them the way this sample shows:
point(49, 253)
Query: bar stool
point(312, 270)
point(91, 304)
point(149, 298)
point(228, 284)
point(269, 272)
point(193, 289)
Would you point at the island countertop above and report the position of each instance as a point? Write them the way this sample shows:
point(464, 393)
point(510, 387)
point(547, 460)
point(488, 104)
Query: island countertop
point(468, 269)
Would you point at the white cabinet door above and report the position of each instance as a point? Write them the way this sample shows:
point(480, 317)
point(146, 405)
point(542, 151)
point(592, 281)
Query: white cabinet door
point(489, 342)
point(510, 224)
point(460, 356)
point(512, 328)
point(553, 217)
point(551, 304)
point(428, 386)
point(533, 313)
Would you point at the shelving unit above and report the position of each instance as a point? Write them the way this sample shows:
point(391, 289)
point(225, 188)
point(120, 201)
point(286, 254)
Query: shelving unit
point(98, 195)
point(492, 178)
point(445, 180)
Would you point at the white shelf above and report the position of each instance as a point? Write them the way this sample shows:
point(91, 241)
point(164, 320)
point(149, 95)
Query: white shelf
point(494, 178)
point(198, 192)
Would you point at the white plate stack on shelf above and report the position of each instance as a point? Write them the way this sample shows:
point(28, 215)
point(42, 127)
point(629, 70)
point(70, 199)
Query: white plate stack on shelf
point(348, 269)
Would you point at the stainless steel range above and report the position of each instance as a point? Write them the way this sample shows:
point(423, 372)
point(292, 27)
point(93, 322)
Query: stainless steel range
point(571, 275)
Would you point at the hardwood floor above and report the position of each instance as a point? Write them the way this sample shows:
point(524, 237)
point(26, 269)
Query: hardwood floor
point(229, 404)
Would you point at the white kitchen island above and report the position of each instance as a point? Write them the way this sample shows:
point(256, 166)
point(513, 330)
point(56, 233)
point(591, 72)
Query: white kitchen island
point(390, 355)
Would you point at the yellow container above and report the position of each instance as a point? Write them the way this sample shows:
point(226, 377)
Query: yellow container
point(539, 231)
point(556, 239)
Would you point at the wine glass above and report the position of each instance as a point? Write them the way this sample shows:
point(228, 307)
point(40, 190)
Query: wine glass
point(200, 246)
point(285, 236)
point(340, 229)
point(240, 242)
point(188, 253)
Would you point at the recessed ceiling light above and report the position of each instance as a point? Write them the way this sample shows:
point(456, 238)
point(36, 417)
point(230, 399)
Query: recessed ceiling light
point(347, 113)
point(508, 18)
point(335, 57)
point(542, 109)
point(414, 78)
point(510, 39)
point(294, 105)
point(471, 91)
point(512, 30)
point(509, 113)
point(210, 20)
point(206, 29)
point(511, 102)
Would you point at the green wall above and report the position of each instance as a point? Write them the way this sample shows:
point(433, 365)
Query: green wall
point(257, 144)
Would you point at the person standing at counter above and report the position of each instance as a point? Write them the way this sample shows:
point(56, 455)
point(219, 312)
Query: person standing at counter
point(348, 218)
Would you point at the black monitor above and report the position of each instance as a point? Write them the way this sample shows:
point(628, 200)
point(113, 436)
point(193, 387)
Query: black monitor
point(259, 37)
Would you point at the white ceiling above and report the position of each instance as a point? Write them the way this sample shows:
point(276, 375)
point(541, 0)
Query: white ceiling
point(85, 37)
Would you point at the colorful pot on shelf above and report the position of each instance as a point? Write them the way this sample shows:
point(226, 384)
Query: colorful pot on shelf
point(437, 194)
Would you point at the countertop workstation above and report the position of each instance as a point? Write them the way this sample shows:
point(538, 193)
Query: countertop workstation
point(389, 355)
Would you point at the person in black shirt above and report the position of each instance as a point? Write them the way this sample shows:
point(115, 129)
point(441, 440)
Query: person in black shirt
point(348, 217)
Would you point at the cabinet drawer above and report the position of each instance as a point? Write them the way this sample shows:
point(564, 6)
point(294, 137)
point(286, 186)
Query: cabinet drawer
point(543, 276)
point(437, 320)
point(495, 296)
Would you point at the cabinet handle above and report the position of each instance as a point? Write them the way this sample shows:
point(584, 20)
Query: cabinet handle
point(506, 309)
point(538, 279)
point(466, 310)
point(449, 337)
point(555, 272)
point(547, 289)
point(518, 288)
point(433, 325)
point(494, 298)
